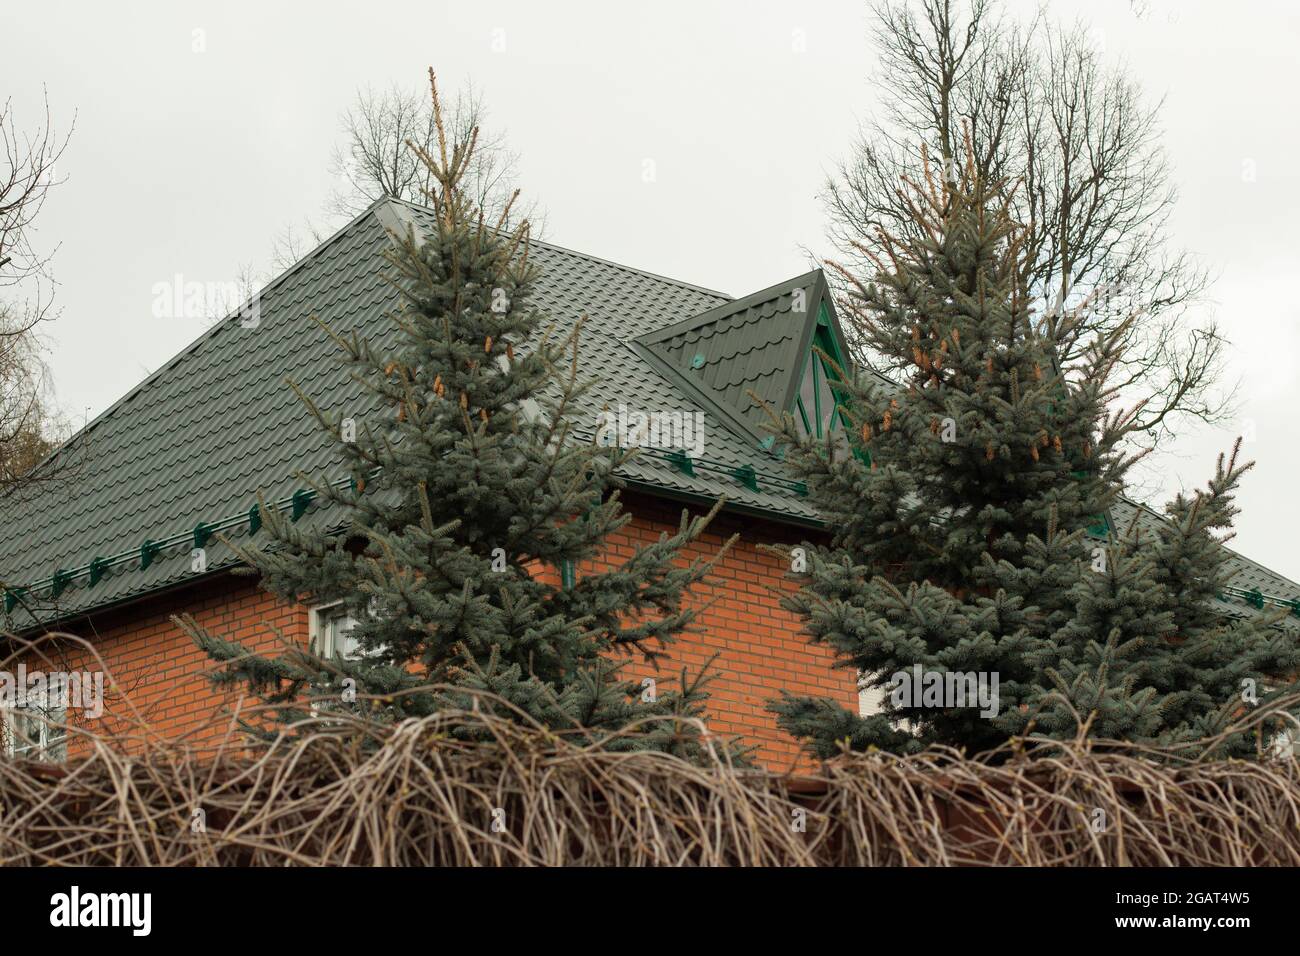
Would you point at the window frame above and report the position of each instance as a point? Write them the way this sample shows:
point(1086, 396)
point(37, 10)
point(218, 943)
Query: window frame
point(49, 748)
point(318, 629)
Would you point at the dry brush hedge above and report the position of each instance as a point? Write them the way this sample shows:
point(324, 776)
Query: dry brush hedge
point(342, 791)
point(463, 788)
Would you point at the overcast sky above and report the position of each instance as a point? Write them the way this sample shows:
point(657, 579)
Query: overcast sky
point(189, 161)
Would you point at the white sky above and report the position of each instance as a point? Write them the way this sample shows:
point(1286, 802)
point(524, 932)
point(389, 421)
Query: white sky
point(189, 162)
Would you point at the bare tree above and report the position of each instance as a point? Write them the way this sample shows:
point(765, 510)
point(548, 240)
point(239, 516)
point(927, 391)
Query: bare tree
point(292, 244)
point(1036, 109)
point(27, 430)
point(375, 160)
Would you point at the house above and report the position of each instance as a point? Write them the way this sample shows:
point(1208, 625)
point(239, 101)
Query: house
point(125, 536)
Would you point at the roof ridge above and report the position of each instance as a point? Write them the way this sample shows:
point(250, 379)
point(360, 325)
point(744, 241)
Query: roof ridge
point(591, 258)
point(731, 307)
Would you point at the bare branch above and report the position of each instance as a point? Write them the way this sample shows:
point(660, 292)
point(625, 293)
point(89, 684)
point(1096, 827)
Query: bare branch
point(1034, 108)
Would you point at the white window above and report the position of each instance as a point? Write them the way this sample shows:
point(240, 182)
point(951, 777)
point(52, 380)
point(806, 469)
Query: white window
point(331, 632)
point(871, 700)
point(34, 728)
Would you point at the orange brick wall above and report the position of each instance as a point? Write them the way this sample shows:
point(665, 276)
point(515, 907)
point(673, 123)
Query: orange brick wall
point(158, 687)
point(760, 648)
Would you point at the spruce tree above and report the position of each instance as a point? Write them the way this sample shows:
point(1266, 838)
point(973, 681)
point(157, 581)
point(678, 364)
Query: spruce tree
point(966, 517)
point(469, 490)
point(1179, 667)
point(1092, 663)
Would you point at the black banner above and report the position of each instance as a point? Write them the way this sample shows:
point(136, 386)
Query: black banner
point(336, 906)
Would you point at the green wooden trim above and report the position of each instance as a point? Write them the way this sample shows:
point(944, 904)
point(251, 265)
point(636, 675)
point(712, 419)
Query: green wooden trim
point(798, 404)
point(825, 339)
point(817, 393)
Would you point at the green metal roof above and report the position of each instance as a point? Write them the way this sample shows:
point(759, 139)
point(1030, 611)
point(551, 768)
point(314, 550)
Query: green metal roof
point(194, 443)
point(187, 450)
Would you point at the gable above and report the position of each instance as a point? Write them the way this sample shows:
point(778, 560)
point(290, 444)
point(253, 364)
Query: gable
point(745, 354)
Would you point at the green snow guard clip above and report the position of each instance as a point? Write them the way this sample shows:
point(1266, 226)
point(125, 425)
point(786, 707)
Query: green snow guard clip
point(59, 583)
point(254, 520)
point(148, 551)
point(301, 499)
point(746, 476)
point(12, 596)
point(682, 462)
point(98, 568)
point(202, 534)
